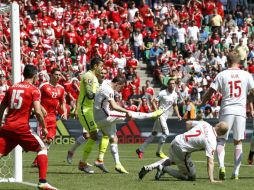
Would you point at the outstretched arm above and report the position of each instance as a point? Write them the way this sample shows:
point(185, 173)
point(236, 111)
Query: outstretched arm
point(177, 111)
point(40, 118)
point(207, 96)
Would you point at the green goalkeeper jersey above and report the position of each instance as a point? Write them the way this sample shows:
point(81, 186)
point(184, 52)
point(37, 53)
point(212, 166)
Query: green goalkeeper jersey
point(88, 87)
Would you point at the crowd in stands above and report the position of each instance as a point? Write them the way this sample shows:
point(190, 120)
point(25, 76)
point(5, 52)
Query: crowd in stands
point(187, 40)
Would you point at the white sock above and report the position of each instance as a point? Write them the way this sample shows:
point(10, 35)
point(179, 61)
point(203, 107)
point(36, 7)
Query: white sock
point(146, 143)
point(175, 173)
point(80, 140)
point(161, 143)
point(140, 115)
point(221, 152)
point(114, 152)
point(238, 158)
point(155, 164)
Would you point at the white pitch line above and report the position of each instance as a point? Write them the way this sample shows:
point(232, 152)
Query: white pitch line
point(28, 183)
point(129, 158)
point(227, 164)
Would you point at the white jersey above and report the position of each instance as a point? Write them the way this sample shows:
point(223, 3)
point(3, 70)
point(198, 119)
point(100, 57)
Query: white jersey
point(102, 98)
point(234, 85)
point(201, 137)
point(167, 99)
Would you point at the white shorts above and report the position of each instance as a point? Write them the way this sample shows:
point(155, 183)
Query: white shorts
point(108, 124)
point(160, 125)
point(237, 124)
point(182, 160)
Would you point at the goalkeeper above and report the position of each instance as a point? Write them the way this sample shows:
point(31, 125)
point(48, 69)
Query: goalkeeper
point(88, 87)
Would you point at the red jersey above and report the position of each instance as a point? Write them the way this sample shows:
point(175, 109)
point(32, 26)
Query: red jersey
point(51, 96)
point(251, 69)
point(132, 63)
point(144, 109)
point(150, 91)
point(19, 100)
point(132, 108)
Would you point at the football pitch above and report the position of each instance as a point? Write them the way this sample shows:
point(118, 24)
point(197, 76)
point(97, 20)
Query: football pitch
point(68, 177)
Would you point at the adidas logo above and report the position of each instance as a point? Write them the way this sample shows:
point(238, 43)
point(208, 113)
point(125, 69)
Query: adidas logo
point(129, 134)
point(62, 134)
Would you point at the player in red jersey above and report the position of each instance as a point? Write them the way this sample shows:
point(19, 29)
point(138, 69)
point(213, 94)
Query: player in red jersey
point(52, 95)
point(19, 100)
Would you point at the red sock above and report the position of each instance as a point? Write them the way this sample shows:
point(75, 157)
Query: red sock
point(43, 165)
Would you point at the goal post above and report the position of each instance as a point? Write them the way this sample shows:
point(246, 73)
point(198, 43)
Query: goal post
point(13, 9)
point(16, 76)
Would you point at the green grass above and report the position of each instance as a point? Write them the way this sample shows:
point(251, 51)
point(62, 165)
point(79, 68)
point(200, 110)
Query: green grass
point(68, 177)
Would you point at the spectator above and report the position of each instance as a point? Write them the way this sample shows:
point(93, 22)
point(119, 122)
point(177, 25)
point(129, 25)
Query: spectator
point(183, 95)
point(130, 105)
point(171, 33)
point(193, 31)
point(131, 12)
point(148, 89)
point(138, 43)
point(134, 96)
point(190, 110)
point(243, 51)
point(144, 106)
point(120, 61)
point(155, 51)
point(208, 113)
point(216, 22)
point(181, 36)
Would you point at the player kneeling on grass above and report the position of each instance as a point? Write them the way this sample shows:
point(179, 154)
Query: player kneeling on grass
point(107, 113)
point(200, 136)
point(19, 100)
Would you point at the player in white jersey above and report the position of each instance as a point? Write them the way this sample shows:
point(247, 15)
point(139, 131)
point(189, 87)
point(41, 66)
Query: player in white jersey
point(234, 85)
point(200, 136)
point(167, 98)
point(107, 113)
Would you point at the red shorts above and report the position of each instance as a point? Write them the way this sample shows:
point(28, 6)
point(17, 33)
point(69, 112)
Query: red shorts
point(24, 137)
point(51, 127)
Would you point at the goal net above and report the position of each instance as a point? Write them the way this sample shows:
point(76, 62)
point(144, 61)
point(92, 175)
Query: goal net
point(11, 165)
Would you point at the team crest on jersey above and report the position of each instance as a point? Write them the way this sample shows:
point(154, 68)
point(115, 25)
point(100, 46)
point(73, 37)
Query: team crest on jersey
point(92, 123)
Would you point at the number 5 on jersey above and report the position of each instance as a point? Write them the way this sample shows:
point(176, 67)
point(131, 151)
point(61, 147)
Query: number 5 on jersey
point(16, 99)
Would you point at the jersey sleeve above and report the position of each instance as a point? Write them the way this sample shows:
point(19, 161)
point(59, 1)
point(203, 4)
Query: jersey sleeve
point(6, 98)
point(159, 96)
point(36, 95)
point(89, 84)
point(175, 99)
point(62, 97)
